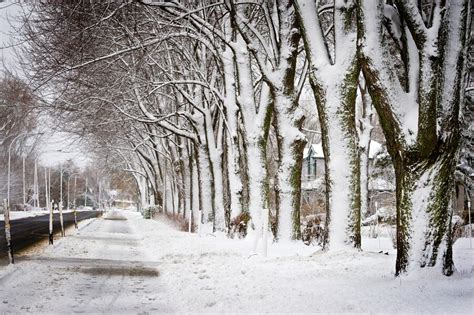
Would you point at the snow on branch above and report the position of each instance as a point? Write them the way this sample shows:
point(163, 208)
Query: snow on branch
point(412, 15)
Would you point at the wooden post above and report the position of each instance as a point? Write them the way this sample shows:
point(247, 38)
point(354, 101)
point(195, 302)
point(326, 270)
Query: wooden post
point(190, 217)
point(35, 179)
point(51, 222)
point(75, 208)
point(61, 199)
point(470, 223)
point(75, 218)
point(199, 222)
point(7, 232)
point(265, 231)
point(24, 184)
point(164, 189)
point(61, 220)
point(85, 195)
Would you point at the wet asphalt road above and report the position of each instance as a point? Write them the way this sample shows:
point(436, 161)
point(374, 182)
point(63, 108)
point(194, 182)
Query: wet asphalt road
point(28, 231)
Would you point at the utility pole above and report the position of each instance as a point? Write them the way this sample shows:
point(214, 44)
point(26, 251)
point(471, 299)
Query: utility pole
point(35, 186)
point(164, 187)
point(24, 185)
point(9, 163)
point(49, 184)
point(61, 199)
point(469, 215)
point(46, 192)
point(75, 210)
point(9, 169)
point(49, 203)
point(85, 195)
point(100, 190)
point(68, 203)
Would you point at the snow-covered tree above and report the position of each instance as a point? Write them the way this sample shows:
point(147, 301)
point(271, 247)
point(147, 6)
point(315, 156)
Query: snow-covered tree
point(329, 32)
point(413, 59)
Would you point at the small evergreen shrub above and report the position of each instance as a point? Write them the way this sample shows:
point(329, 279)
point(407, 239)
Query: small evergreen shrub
point(238, 226)
point(149, 212)
point(312, 229)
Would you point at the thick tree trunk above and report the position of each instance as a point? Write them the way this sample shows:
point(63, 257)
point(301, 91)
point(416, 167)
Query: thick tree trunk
point(341, 153)
point(234, 180)
point(256, 180)
point(226, 185)
point(215, 163)
point(253, 132)
point(182, 178)
point(233, 171)
point(424, 154)
point(205, 183)
point(424, 210)
point(364, 180)
point(334, 84)
point(291, 143)
point(364, 116)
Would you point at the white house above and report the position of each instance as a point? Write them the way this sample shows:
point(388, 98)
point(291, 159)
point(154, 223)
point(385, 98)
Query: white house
point(312, 177)
point(313, 160)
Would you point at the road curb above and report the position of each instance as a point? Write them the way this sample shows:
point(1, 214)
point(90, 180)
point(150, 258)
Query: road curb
point(10, 273)
point(89, 223)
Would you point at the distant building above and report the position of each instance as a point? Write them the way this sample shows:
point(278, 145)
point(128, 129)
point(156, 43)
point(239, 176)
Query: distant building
point(121, 199)
point(381, 189)
point(123, 204)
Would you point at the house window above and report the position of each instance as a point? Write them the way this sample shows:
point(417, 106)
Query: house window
point(308, 166)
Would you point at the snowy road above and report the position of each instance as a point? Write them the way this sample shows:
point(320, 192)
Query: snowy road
point(123, 264)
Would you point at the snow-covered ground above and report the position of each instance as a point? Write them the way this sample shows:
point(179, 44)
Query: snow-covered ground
point(109, 266)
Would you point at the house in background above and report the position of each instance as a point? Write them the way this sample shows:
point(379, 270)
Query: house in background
point(381, 189)
point(122, 199)
point(313, 163)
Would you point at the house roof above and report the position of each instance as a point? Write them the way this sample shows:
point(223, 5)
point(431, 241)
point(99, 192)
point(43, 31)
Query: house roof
point(375, 148)
point(316, 150)
point(381, 184)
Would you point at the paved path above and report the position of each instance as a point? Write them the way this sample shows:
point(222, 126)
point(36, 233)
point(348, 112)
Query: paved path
point(100, 269)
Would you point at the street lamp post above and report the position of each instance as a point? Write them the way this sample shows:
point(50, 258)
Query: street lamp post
point(49, 202)
point(85, 195)
point(24, 184)
point(7, 210)
point(49, 206)
point(68, 203)
point(9, 163)
point(68, 183)
point(75, 208)
point(100, 192)
point(61, 199)
point(35, 185)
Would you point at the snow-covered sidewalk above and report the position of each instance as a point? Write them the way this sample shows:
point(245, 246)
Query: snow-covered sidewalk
point(112, 265)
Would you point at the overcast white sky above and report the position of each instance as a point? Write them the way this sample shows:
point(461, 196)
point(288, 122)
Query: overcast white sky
point(8, 12)
point(52, 141)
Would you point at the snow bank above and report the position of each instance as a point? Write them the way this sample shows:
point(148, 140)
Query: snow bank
point(213, 274)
